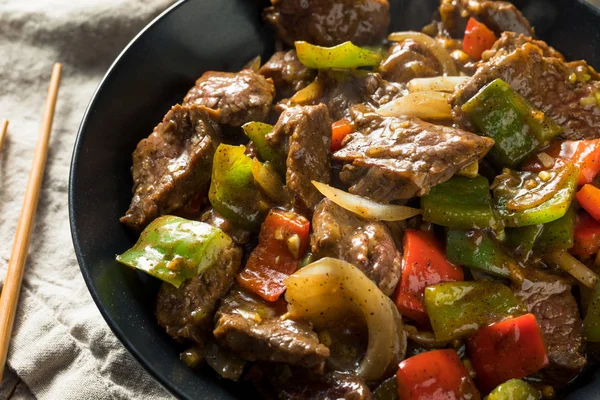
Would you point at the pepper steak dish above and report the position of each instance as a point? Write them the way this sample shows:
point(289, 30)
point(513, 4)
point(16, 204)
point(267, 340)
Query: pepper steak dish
point(403, 216)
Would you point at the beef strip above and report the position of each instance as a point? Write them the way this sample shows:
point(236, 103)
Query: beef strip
point(239, 235)
point(408, 60)
point(301, 385)
point(510, 41)
point(369, 89)
point(288, 73)
point(173, 165)
point(553, 86)
point(187, 312)
point(368, 245)
point(255, 330)
point(394, 158)
point(304, 134)
point(329, 22)
point(549, 298)
point(241, 97)
point(499, 16)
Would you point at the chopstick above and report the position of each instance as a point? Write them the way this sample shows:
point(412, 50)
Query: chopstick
point(18, 256)
point(3, 129)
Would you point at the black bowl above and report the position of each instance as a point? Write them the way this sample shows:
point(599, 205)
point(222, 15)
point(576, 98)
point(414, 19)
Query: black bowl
point(151, 75)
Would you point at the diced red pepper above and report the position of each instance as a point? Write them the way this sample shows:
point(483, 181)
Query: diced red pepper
point(478, 38)
point(339, 130)
point(586, 236)
point(435, 375)
point(283, 241)
point(425, 264)
point(589, 198)
point(511, 349)
point(584, 153)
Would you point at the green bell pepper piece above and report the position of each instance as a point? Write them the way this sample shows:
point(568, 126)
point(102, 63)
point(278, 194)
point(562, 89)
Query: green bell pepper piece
point(511, 184)
point(477, 249)
point(461, 203)
point(591, 322)
point(233, 190)
point(457, 309)
point(522, 240)
point(515, 389)
point(343, 56)
point(257, 131)
point(517, 127)
point(174, 249)
point(558, 234)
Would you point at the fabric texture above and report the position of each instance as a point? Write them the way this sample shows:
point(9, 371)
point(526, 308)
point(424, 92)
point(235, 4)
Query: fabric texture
point(61, 346)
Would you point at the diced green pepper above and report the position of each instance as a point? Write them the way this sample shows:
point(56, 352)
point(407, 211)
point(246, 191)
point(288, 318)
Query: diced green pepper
point(558, 234)
point(257, 131)
point(522, 240)
point(591, 323)
point(461, 203)
point(516, 126)
point(511, 186)
point(457, 309)
point(174, 249)
point(344, 56)
point(477, 249)
point(233, 191)
point(515, 389)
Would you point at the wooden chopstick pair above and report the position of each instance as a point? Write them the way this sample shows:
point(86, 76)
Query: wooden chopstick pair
point(16, 265)
point(3, 129)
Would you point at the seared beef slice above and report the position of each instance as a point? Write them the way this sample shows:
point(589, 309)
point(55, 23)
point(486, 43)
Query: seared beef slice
point(392, 158)
point(187, 312)
point(288, 73)
point(557, 88)
point(368, 245)
point(172, 165)
point(330, 22)
point(255, 330)
point(304, 134)
point(549, 298)
point(241, 97)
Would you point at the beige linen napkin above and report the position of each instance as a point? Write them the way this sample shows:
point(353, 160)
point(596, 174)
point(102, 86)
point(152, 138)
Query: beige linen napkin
point(62, 348)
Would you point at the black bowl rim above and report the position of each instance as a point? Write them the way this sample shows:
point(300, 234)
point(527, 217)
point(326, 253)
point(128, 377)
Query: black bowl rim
point(74, 236)
point(71, 195)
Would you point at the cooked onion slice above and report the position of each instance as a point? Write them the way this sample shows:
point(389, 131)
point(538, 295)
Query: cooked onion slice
point(329, 290)
point(364, 207)
point(573, 266)
point(424, 105)
point(438, 51)
point(436, 84)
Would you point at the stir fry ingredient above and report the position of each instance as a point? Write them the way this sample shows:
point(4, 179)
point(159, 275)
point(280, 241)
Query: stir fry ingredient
point(328, 289)
point(457, 309)
point(417, 218)
point(435, 373)
point(510, 349)
point(424, 265)
point(174, 249)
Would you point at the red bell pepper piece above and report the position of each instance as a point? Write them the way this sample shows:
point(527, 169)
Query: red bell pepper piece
point(435, 375)
point(283, 240)
point(586, 236)
point(511, 349)
point(339, 130)
point(585, 154)
point(589, 198)
point(478, 38)
point(425, 264)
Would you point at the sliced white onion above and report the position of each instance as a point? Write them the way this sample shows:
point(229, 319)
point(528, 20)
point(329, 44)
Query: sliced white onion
point(436, 84)
point(424, 105)
point(438, 51)
point(364, 207)
point(573, 266)
point(329, 290)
